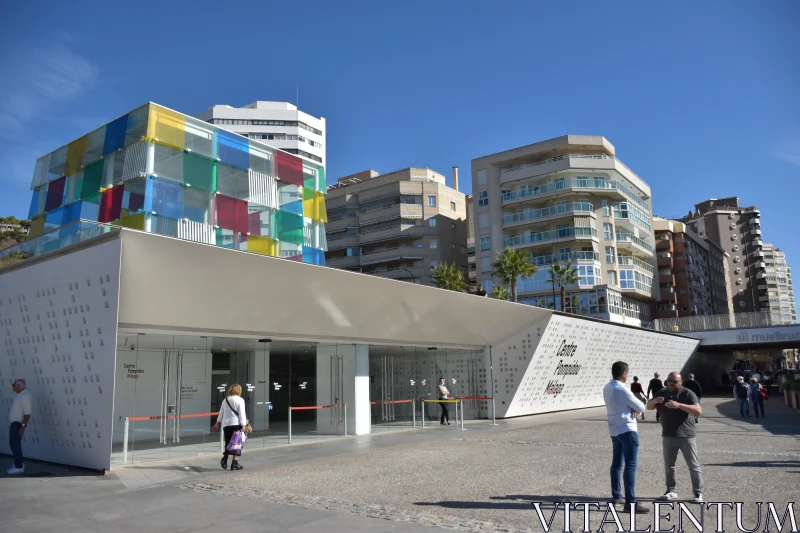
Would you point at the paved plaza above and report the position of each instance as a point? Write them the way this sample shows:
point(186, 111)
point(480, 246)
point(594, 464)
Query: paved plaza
point(481, 479)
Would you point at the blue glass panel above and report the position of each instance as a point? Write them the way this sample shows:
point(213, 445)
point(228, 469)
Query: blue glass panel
point(233, 150)
point(34, 209)
point(54, 219)
point(293, 207)
point(72, 212)
point(313, 256)
point(90, 208)
point(165, 198)
point(115, 135)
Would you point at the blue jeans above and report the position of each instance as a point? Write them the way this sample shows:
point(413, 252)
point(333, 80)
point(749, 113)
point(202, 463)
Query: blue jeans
point(757, 402)
point(15, 442)
point(744, 407)
point(626, 446)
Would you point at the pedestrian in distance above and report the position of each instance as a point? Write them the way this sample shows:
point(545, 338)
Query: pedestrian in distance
point(233, 417)
point(638, 391)
point(695, 387)
point(678, 433)
point(444, 394)
point(756, 399)
point(18, 417)
point(653, 388)
point(622, 407)
point(741, 392)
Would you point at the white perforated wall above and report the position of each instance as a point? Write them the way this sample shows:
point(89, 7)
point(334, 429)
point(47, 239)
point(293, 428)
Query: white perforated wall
point(58, 328)
point(564, 363)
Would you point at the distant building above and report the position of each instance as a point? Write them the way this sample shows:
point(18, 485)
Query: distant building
point(737, 230)
point(691, 273)
point(399, 225)
point(780, 289)
point(16, 228)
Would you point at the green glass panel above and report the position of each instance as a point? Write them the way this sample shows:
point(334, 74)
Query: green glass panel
point(322, 186)
point(199, 172)
point(310, 182)
point(92, 179)
point(289, 227)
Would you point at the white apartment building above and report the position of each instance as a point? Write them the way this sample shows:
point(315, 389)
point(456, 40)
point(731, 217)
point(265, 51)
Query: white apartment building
point(780, 289)
point(569, 198)
point(279, 124)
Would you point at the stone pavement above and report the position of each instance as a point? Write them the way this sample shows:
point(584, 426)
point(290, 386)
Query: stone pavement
point(482, 479)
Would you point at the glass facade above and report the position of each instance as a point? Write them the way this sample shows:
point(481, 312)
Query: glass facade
point(159, 171)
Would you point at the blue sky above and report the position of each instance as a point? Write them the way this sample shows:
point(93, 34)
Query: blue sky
point(700, 99)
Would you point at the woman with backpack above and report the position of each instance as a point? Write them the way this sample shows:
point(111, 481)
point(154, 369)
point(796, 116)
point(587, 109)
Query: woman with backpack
point(233, 418)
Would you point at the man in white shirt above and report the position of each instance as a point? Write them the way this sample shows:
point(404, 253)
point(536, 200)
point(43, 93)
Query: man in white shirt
point(18, 416)
point(622, 408)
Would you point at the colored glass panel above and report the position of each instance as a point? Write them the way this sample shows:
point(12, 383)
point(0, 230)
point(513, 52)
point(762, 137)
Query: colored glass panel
point(92, 179)
point(197, 206)
point(72, 213)
point(322, 184)
point(37, 202)
point(72, 191)
point(111, 204)
point(58, 161)
point(167, 164)
point(55, 193)
point(289, 227)
point(41, 171)
point(75, 151)
point(313, 256)
point(54, 219)
point(137, 124)
point(233, 149)
point(164, 198)
point(231, 239)
point(94, 146)
point(259, 220)
point(262, 245)
point(231, 213)
point(314, 205)
point(134, 197)
point(298, 258)
point(37, 227)
point(199, 172)
point(290, 168)
point(166, 127)
point(115, 135)
point(199, 137)
point(133, 221)
point(261, 158)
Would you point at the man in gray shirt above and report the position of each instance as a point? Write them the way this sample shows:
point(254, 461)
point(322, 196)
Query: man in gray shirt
point(679, 407)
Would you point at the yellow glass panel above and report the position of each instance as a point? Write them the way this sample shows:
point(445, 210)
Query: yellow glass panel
point(323, 212)
point(166, 127)
point(75, 151)
point(132, 221)
point(262, 245)
point(37, 227)
point(314, 206)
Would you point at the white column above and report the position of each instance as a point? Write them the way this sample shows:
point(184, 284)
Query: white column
point(361, 412)
point(354, 376)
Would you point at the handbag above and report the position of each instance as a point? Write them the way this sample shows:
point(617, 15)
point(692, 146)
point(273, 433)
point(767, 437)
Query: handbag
point(246, 427)
point(236, 444)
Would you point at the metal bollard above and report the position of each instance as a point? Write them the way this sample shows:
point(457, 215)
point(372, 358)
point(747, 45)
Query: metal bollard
point(422, 412)
point(125, 444)
point(290, 425)
point(494, 422)
point(462, 414)
point(221, 439)
point(345, 419)
point(413, 412)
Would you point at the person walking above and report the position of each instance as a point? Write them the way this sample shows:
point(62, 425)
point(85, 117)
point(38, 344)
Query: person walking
point(233, 417)
point(444, 394)
point(695, 387)
point(678, 433)
point(638, 391)
point(740, 392)
point(653, 388)
point(18, 417)
point(622, 407)
point(757, 401)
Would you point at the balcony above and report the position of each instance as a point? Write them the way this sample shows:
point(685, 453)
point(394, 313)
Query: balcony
point(636, 291)
point(755, 231)
point(757, 253)
point(389, 212)
point(758, 242)
point(553, 236)
point(572, 185)
point(664, 259)
point(341, 222)
point(631, 242)
point(396, 253)
point(666, 279)
point(544, 260)
point(667, 307)
point(547, 214)
point(397, 231)
point(663, 245)
point(760, 264)
point(755, 221)
point(344, 261)
point(762, 287)
point(764, 297)
point(627, 260)
point(410, 273)
point(761, 275)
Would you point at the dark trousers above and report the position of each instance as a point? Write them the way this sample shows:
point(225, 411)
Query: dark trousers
point(229, 431)
point(626, 451)
point(757, 402)
point(15, 442)
point(445, 414)
point(744, 408)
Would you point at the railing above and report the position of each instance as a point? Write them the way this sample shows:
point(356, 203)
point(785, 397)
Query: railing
point(545, 236)
point(713, 322)
point(563, 258)
point(56, 239)
point(630, 237)
point(532, 214)
point(405, 246)
point(575, 183)
point(630, 260)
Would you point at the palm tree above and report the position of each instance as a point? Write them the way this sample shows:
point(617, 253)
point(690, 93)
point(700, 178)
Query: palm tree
point(563, 275)
point(510, 265)
point(501, 292)
point(449, 277)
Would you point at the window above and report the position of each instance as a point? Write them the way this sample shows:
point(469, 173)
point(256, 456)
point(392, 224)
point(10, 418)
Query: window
point(612, 278)
point(434, 263)
point(431, 201)
point(434, 243)
point(483, 198)
point(606, 210)
point(626, 279)
point(610, 255)
point(485, 244)
point(587, 275)
point(482, 177)
point(452, 206)
point(608, 232)
point(431, 222)
point(486, 264)
point(488, 285)
point(483, 220)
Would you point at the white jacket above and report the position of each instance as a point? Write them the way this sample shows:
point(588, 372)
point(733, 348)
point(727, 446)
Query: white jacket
point(227, 417)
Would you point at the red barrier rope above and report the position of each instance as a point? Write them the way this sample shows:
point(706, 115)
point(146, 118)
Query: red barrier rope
point(474, 398)
point(312, 407)
point(392, 401)
point(169, 417)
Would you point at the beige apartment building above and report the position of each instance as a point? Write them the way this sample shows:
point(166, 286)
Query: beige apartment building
point(569, 198)
point(780, 288)
point(399, 225)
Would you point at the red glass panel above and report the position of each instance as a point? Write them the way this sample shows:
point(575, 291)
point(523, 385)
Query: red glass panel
point(231, 213)
point(111, 204)
point(290, 168)
point(55, 193)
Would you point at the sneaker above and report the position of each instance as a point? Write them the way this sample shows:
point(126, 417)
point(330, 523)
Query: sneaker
point(698, 497)
point(619, 501)
point(14, 470)
point(669, 495)
point(638, 508)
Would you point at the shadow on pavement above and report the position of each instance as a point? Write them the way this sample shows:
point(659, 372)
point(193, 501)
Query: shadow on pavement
point(513, 502)
point(760, 464)
point(39, 469)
